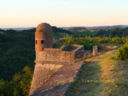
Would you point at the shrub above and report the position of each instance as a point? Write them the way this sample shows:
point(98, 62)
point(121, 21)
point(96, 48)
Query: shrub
point(97, 40)
point(123, 40)
point(89, 39)
point(88, 46)
point(122, 52)
point(116, 40)
point(106, 40)
point(68, 40)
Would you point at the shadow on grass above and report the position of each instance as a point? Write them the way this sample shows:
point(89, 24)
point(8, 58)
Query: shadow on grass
point(84, 83)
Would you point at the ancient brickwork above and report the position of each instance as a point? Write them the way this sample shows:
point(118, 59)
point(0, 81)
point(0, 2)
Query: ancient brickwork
point(54, 66)
point(41, 74)
point(59, 56)
point(55, 55)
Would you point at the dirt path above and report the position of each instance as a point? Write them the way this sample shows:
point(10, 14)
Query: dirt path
point(101, 76)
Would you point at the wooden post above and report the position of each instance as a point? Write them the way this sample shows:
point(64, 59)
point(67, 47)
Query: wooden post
point(95, 50)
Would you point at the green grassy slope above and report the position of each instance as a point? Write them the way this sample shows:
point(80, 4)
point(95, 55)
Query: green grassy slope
point(101, 76)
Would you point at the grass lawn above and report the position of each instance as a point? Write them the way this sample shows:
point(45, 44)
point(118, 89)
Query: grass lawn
point(101, 76)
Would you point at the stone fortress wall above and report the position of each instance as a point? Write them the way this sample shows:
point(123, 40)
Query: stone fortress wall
point(53, 66)
point(58, 55)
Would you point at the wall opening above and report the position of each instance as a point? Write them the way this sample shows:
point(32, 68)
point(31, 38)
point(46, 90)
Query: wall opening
point(35, 41)
point(42, 41)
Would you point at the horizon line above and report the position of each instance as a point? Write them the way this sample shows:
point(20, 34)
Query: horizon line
point(65, 26)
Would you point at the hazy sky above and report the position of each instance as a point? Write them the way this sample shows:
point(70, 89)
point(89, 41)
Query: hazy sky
point(26, 13)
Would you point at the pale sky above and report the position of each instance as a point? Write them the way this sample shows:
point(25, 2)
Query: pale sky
point(29, 13)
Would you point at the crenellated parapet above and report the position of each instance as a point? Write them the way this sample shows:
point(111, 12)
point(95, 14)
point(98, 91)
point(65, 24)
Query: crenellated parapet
point(59, 56)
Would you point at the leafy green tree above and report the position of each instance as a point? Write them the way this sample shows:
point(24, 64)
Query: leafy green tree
point(116, 40)
point(6, 88)
point(122, 52)
point(22, 81)
point(25, 81)
point(68, 40)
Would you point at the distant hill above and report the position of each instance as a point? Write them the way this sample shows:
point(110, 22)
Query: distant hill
point(108, 27)
point(94, 28)
point(4, 37)
point(111, 31)
point(76, 29)
point(58, 32)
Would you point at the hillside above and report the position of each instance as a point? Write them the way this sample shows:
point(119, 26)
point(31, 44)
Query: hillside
point(101, 76)
point(17, 55)
point(111, 31)
point(80, 29)
point(17, 50)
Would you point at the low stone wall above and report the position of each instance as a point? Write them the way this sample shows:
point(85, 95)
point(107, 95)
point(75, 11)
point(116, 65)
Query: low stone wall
point(55, 55)
point(79, 52)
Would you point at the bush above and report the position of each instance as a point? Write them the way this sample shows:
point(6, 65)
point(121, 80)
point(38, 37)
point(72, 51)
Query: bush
point(21, 82)
point(97, 40)
point(122, 52)
point(106, 40)
point(68, 40)
point(116, 40)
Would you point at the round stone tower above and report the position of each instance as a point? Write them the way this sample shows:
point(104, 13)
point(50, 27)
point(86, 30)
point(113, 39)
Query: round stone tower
point(43, 37)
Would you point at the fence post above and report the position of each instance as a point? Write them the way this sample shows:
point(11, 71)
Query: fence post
point(95, 50)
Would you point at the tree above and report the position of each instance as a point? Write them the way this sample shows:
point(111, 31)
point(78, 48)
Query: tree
point(68, 40)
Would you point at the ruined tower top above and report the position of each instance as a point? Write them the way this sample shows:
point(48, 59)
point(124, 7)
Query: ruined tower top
point(43, 37)
point(43, 27)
